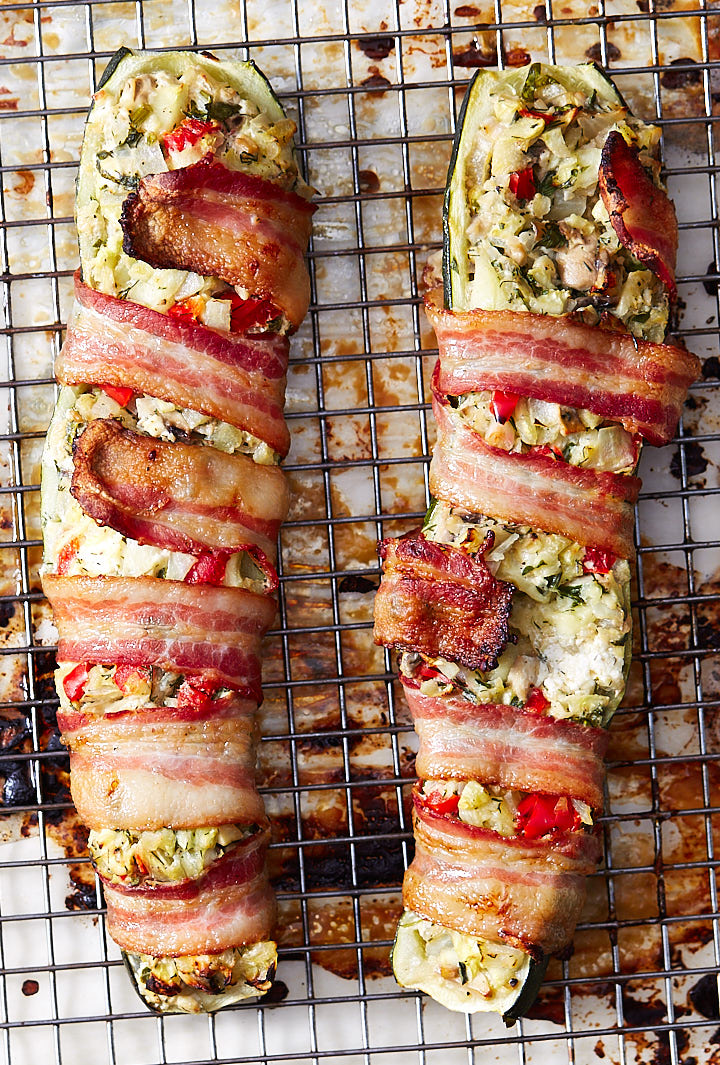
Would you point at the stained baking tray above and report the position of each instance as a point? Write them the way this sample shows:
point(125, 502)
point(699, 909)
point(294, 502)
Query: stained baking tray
point(375, 89)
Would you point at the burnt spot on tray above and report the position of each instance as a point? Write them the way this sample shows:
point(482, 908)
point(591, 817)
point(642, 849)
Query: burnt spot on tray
point(368, 181)
point(30, 987)
point(377, 47)
point(376, 82)
point(84, 897)
point(711, 368)
point(517, 57)
point(474, 56)
point(695, 461)
point(595, 52)
point(680, 79)
point(704, 997)
point(710, 284)
point(357, 583)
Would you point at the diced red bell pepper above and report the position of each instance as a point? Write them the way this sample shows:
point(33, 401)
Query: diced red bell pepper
point(123, 674)
point(195, 693)
point(209, 568)
point(549, 450)
point(189, 132)
point(530, 112)
point(567, 818)
point(75, 681)
point(598, 561)
point(245, 313)
point(428, 672)
point(502, 405)
point(66, 556)
point(120, 394)
point(522, 183)
point(186, 310)
point(537, 701)
point(538, 815)
point(442, 804)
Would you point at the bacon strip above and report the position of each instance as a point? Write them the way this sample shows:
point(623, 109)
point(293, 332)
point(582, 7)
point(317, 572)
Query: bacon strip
point(642, 215)
point(237, 379)
point(229, 905)
point(591, 507)
point(526, 893)
point(498, 744)
point(178, 496)
point(640, 384)
point(144, 621)
point(226, 224)
point(165, 766)
point(436, 599)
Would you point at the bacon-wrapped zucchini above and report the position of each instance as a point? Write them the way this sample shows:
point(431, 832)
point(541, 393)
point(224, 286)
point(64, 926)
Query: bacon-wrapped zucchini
point(162, 499)
point(511, 606)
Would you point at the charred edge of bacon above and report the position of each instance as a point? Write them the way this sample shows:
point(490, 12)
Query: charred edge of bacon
point(96, 456)
point(641, 214)
point(437, 600)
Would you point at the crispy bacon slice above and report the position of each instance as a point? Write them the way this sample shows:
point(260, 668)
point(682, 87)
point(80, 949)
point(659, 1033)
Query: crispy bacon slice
point(149, 621)
point(229, 905)
point(642, 215)
point(160, 766)
point(237, 379)
point(503, 745)
point(436, 599)
point(591, 507)
point(223, 223)
point(526, 893)
point(556, 359)
point(179, 496)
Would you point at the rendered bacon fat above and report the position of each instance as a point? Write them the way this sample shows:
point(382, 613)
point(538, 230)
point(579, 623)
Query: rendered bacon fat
point(160, 766)
point(437, 600)
point(141, 621)
point(640, 384)
point(178, 496)
point(525, 893)
point(237, 379)
point(240, 228)
point(641, 213)
point(592, 507)
point(504, 745)
point(230, 904)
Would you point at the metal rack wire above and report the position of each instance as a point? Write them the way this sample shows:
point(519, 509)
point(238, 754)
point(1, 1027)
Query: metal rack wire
point(375, 91)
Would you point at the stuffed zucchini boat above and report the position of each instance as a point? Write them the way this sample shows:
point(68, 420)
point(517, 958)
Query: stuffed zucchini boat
point(510, 608)
point(161, 502)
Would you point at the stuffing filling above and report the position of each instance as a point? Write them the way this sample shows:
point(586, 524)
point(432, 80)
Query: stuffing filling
point(569, 619)
point(539, 236)
point(578, 437)
point(206, 982)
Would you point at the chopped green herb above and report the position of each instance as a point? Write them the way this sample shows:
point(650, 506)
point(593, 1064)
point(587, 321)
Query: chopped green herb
point(571, 591)
point(464, 978)
point(128, 181)
point(430, 521)
point(534, 83)
point(552, 237)
point(221, 111)
point(133, 138)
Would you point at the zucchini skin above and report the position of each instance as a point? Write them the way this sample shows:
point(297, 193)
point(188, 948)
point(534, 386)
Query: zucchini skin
point(251, 83)
point(588, 78)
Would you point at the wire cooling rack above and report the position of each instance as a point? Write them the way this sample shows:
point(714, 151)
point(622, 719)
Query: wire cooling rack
point(375, 89)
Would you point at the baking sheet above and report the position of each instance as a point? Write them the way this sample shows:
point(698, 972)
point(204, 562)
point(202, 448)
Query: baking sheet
point(375, 89)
